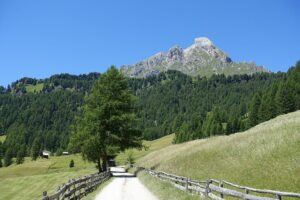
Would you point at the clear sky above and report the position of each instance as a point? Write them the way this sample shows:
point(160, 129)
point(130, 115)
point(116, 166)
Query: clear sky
point(39, 38)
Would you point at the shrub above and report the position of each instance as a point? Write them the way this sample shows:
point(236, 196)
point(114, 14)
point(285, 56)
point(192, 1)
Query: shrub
point(72, 164)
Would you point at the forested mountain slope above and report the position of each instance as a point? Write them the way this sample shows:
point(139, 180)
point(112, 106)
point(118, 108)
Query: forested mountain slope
point(175, 102)
point(201, 58)
point(38, 114)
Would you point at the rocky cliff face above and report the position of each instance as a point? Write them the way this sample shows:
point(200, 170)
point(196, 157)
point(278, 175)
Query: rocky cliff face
point(201, 58)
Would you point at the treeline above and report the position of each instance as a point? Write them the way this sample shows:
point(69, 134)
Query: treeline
point(82, 82)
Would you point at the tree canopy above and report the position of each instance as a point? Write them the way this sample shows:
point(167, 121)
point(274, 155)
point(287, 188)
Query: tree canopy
point(106, 126)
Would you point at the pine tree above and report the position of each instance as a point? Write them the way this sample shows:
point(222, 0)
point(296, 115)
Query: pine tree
point(229, 128)
point(254, 110)
point(35, 149)
point(72, 164)
point(8, 157)
point(285, 100)
point(263, 114)
point(235, 125)
point(20, 157)
point(107, 124)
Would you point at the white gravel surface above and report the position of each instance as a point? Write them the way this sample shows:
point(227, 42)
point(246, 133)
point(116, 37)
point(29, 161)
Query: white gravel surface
point(125, 187)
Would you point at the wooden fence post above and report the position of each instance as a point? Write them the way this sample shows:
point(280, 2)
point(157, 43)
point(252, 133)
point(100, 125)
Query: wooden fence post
point(69, 188)
point(58, 189)
point(221, 194)
point(45, 197)
point(246, 191)
point(278, 197)
point(187, 184)
point(207, 189)
point(85, 182)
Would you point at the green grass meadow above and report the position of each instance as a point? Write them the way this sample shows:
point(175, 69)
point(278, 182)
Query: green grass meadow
point(151, 147)
point(266, 156)
point(29, 180)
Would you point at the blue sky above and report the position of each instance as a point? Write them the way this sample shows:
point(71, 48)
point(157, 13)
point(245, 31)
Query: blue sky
point(42, 38)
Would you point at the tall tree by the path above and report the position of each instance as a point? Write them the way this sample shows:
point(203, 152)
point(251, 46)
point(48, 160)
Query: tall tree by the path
point(106, 126)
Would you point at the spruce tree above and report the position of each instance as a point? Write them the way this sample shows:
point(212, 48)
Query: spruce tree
point(35, 149)
point(254, 110)
point(72, 164)
point(20, 157)
point(106, 127)
point(229, 128)
point(8, 157)
point(285, 100)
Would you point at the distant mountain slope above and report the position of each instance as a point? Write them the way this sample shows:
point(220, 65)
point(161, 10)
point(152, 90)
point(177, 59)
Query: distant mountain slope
point(265, 156)
point(201, 58)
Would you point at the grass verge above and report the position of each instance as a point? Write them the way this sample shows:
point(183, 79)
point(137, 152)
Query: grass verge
point(164, 190)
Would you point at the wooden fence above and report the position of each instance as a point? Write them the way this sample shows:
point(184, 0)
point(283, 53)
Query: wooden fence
point(76, 188)
point(218, 190)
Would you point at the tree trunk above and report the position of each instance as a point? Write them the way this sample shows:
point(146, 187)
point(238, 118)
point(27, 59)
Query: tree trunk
point(99, 166)
point(104, 163)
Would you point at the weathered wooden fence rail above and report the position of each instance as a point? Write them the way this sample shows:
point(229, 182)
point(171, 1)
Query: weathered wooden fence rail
point(76, 188)
point(218, 190)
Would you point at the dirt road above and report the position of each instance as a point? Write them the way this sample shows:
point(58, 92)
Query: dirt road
point(125, 187)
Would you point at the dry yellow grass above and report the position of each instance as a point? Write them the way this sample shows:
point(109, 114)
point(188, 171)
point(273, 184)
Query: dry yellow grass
point(266, 156)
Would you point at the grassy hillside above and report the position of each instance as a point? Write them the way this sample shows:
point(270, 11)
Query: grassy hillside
point(150, 147)
point(266, 156)
point(29, 180)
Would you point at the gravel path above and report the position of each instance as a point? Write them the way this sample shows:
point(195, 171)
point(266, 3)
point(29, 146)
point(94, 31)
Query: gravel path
point(125, 187)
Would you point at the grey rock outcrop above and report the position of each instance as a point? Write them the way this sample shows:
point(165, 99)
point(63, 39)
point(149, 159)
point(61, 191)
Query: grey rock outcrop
point(201, 58)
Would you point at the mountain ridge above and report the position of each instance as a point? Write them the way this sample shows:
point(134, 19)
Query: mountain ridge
point(201, 58)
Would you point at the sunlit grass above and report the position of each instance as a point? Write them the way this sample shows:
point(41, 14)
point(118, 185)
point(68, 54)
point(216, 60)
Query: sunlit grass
point(151, 146)
point(165, 190)
point(266, 156)
point(2, 138)
point(34, 88)
point(29, 180)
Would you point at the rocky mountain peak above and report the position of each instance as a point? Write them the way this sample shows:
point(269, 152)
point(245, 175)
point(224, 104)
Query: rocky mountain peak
point(203, 41)
point(175, 54)
point(201, 58)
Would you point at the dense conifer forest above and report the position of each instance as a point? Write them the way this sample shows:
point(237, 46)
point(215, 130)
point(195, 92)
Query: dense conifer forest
point(38, 114)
